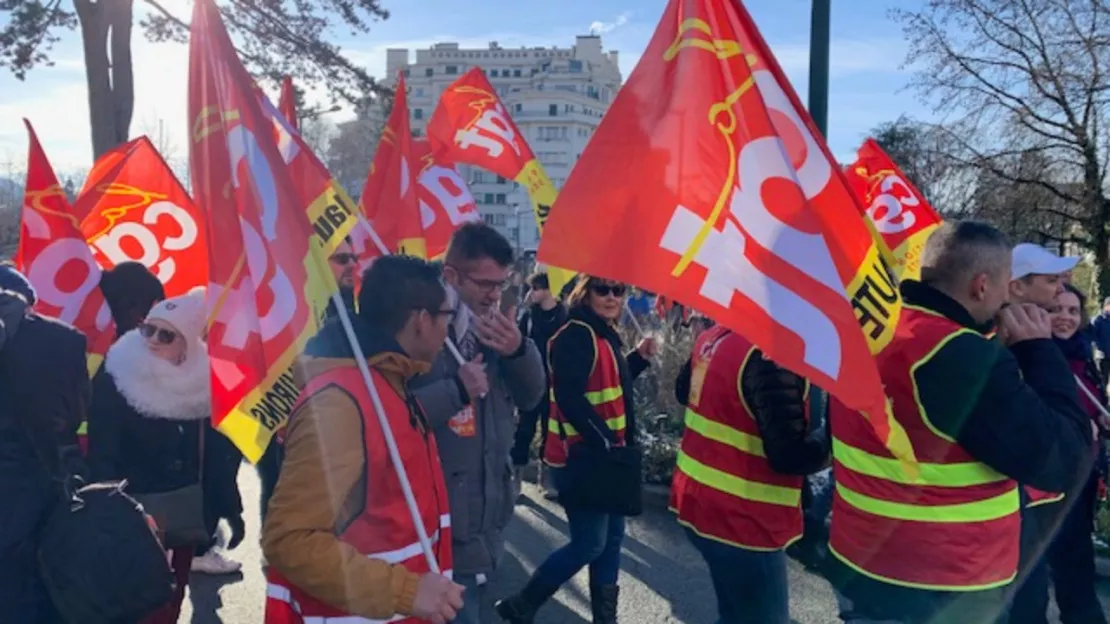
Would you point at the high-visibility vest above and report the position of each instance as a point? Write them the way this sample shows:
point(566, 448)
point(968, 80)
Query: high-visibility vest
point(384, 529)
point(603, 391)
point(955, 525)
point(723, 488)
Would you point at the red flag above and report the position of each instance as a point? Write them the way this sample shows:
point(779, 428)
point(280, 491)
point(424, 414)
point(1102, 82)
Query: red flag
point(267, 250)
point(136, 210)
point(445, 199)
point(471, 126)
point(389, 198)
point(708, 183)
point(287, 104)
point(899, 211)
point(53, 255)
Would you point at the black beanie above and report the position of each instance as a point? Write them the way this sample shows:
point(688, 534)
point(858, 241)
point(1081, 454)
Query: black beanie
point(131, 290)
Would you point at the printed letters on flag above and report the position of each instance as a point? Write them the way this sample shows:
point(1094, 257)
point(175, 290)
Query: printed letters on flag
point(136, 210)
point(445, 199)
point(900, 213)
point(708, 183)
point(267, 249)
point(53, 255)
point(471, 126)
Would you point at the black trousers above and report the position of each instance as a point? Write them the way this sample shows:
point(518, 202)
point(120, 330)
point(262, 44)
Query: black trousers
point(1068, 562)
point(269, 469)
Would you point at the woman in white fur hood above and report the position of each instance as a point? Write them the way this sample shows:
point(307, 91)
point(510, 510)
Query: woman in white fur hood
point(151, 402)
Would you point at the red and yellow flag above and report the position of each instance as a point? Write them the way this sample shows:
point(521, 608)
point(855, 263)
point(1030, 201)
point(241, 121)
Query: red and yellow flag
point(900, 213)
point(136, 210)
point(53, 255)
point(471, 126)
point(389, 197)
point(708, 183)
point(445, 199)
point(268, 249)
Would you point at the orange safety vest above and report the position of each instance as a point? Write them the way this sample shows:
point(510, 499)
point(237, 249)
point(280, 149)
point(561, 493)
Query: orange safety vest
point(603, 391)
point(723, 488)
point(384, 529)
point(955, 526)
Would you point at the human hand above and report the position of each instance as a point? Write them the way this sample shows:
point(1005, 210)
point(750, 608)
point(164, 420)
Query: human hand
point(498, 332)
point(648, 347)
point(438, 599)
point(474, 378)
point(1018, 323)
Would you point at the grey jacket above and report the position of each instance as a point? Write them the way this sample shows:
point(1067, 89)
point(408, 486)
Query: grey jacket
point(474, 450)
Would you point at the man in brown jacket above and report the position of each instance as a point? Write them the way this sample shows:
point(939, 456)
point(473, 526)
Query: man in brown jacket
point(338, 536)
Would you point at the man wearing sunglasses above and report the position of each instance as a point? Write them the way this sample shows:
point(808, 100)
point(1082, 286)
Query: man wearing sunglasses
point(344, 267)
point(472, 407)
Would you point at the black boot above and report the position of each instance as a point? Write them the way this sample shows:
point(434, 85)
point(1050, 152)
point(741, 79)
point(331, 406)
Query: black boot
point(521, 608)
point(603, 602)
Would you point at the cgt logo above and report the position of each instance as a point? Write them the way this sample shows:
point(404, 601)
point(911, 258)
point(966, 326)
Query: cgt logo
point(153, 236)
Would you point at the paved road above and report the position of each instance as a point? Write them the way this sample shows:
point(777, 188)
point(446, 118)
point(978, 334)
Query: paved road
point(663, 579)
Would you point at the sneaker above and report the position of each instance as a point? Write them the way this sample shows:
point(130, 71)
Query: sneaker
point(213, 562)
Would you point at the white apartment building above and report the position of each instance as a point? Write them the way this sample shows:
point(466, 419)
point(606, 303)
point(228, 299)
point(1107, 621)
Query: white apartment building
point(556, 96)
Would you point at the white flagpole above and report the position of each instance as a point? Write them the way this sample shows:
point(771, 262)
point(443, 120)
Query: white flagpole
point(1090, 395)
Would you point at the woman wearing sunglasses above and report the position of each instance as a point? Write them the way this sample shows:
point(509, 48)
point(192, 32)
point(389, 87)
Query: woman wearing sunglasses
point(591, 423)
point(147, 421)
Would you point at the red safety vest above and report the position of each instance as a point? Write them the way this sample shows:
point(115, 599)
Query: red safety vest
point(956, 525)
point(723, 488)
point(384, 529)
point(603, 391)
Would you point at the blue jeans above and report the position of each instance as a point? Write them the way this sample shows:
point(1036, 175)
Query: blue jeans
point(595, 540)
point(751, 585)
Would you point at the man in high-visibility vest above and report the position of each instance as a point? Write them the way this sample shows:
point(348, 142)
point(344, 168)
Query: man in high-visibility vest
point(738, 482)
point(339, 537)
point(938, 540)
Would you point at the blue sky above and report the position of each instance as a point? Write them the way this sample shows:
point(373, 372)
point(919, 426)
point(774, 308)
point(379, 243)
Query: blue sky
point(867, 79)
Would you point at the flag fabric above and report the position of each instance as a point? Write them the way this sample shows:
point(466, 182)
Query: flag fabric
point(389, 198)
point(708, 183)
point(287, 103)
point(52, 254)
point(135, 209)
point(269, 279)
point(900, 213)
point(471, 126)
point(445, 199)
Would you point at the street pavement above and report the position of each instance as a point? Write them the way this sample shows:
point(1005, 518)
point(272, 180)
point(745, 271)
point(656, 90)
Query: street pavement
point(663, 578)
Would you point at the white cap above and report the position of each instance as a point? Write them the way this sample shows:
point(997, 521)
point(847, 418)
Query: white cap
point(185, 312)
point(1030, 259)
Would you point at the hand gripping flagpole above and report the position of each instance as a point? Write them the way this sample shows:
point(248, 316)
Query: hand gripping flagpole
point(387, 433)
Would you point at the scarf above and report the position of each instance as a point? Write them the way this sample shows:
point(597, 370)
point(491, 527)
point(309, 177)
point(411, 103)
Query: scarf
point(159, 389)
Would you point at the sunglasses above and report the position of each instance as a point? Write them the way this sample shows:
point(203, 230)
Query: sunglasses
point(343, 259)
point(159, 335)
point(604, 290)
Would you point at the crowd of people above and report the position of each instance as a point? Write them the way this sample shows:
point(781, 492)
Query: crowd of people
point(387, 495)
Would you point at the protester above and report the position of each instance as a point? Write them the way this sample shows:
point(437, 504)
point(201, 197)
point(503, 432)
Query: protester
point(149, 415)
point(591, 383)
point(540, 321)
point(1100, 335)
point(130, 290)
point(222, 501)
point(339, 538)
point(938, 540)
point(740, 471)
point(44, 383)
point(472, 407)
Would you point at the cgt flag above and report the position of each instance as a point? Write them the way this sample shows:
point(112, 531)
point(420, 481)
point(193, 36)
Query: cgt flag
point(135, 209)
point(900, 213)
point(287, 103)
point(445, 199)
point(53, 255)
point(471, 126)
point(266, 297)
point(708, 183)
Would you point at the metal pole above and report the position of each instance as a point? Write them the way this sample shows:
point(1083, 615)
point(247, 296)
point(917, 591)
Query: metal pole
point(819, 64)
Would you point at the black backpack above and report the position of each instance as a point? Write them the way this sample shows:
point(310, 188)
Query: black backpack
point(100, 559)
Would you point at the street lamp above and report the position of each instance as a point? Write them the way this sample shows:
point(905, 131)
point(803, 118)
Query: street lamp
point(819, 65)
point(313, 113)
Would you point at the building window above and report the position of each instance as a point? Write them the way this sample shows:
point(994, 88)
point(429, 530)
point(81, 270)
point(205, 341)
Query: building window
point(418, 113)
point(406, 73)
point(553, 110)
point(500, 180)
point(416, 133)
point(499, 219)
point(488, 219)
point(418, 92)
point(488, 198)
point(451, 70)
point(576, 67)
point(516, 73)
point(429, 72)
point(518, 107)
point(500, 198)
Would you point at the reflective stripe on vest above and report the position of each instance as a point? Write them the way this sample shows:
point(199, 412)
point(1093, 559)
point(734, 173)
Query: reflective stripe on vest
point(603, 391)
point(1040, 497)
point(723, 488)
point(954, 526)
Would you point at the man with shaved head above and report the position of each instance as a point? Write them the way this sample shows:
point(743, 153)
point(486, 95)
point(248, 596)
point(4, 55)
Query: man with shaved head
point(937, 540)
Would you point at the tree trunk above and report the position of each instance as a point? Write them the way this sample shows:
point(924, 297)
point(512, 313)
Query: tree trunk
point(106, 35)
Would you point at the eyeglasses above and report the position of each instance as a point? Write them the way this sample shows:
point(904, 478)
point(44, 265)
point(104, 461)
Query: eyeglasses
point(344, 259)
point(159, 335)
point(485, 285)
point(604, 290)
